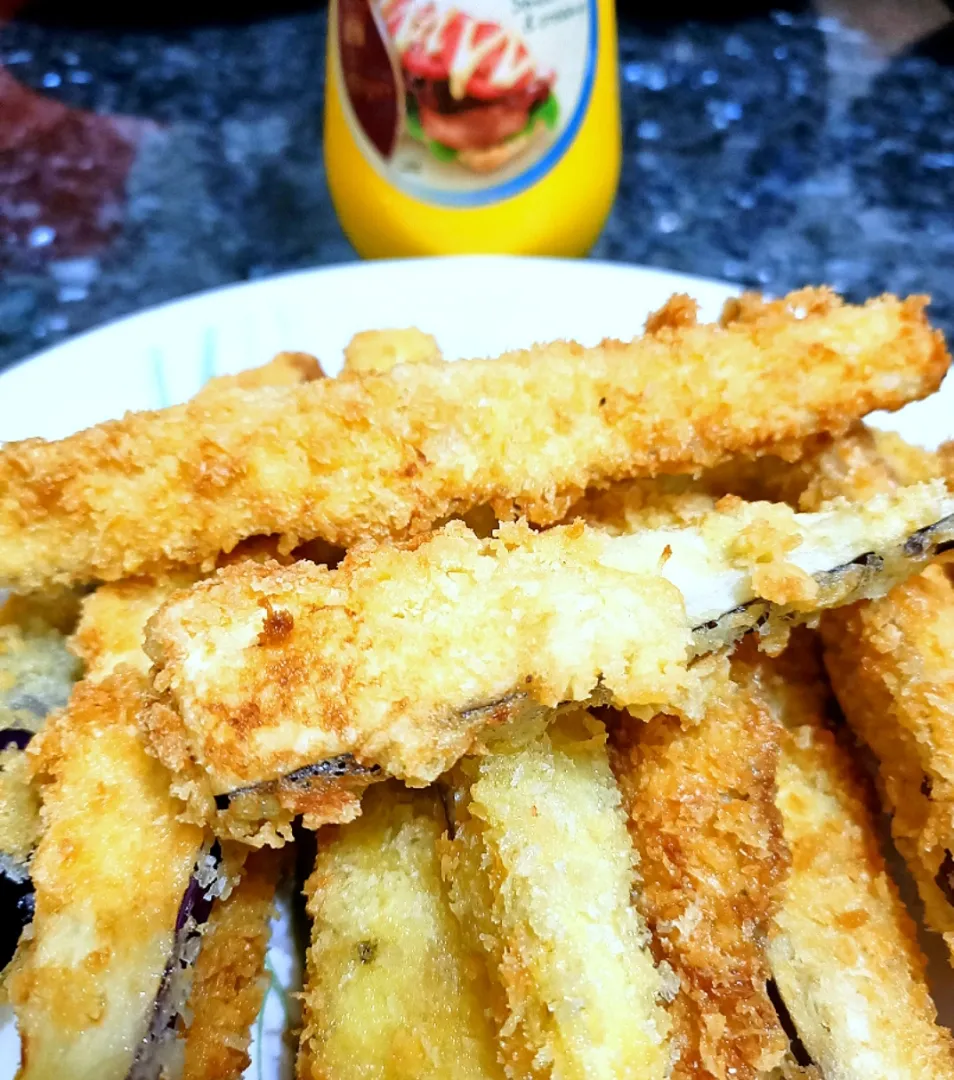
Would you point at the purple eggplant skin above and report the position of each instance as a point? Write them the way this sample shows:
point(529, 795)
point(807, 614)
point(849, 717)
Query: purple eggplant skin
point(16, 911)
point(194, 911)
point(17, 737)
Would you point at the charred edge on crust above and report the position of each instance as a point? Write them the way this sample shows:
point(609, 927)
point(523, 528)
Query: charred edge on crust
point(335, 768)
point(799, 1053)
point(194, 911)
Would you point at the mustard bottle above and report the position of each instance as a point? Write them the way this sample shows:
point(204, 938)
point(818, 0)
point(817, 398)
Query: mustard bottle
point(489, 127)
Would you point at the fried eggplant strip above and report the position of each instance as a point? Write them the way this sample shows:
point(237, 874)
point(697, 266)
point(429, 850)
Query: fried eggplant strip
point(391, 991)
point(301, 685)
point(285, 369)
point(891, 663)
point(110, 872)
point(36, 675)
point(386, 456)
point(844, 952)
point(229, 983)
point(541, 873)
point(380, 350)
point(700, 802)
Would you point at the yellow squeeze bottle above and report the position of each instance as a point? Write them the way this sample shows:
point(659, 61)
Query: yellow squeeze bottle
point(490, 127)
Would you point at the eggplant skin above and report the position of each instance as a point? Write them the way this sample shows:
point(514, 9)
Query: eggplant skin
point(263, 670)
point(109, 871)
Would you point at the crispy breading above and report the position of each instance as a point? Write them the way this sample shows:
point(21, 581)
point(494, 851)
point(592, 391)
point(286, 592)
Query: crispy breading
point(112, 621)
point(700, 802)
point(946, 455)
point(844, 952)
point(362, 672)
point(541, 873)
point(109, 873)
point(891, 663)
point(285, 369)
point(388, 455)
point(229, 984)
point(380, 350)
point(36, 676)
point(391, 991)
point(36, 672)
point(860, 464)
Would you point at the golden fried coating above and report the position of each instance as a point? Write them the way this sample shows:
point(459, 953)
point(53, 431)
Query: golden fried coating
point(844, 951)
point(36, 673)
point(862, 463)
point(388, 455)
point(891, 663)
point(229, 984)
point(109, 873)
point(380, 350)
point(362, 672)
point(113, 619)
point(285, 369)
point(541, 873)
point(701, 809)
point(391, 991)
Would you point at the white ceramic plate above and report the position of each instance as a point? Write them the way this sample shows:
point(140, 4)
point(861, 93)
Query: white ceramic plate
point(475, 306)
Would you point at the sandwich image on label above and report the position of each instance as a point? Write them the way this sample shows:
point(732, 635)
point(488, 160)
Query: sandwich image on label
point(475, 94)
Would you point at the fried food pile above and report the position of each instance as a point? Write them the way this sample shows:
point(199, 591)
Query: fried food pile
point(561, 675)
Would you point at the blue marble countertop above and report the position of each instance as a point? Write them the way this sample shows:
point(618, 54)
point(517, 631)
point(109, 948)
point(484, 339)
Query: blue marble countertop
point(776, 150)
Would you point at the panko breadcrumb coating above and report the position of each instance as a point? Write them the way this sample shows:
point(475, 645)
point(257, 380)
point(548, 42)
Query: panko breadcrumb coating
point(891, 663)
point(391, 990)
point(844, 951)
point(379, 456)
point(701, 810)
point(541, 874)
point(229, 984)
point(109, 874)
point(380, 350)
point(285, 369)
point(299, 686)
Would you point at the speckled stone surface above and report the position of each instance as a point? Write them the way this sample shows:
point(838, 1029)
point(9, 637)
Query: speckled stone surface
point(775, 150)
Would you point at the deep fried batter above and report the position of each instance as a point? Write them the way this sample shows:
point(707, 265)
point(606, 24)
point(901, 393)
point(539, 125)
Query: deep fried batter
point(285, 369)
point(891, 663)
point(381, 350)
point(387, 455)
point(844, 952)
point(109, 873)
point(541, 874)
point(701, 810)
point(391, 991)
point(229, 984)
point(361, 672)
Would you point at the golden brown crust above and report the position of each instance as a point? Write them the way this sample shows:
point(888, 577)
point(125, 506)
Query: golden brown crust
point(388, 455)
point(285, 369)
point(361, 672)
point(391, 991)
point(891, 663)
point(701, 810)
point(229, 983)
point(109, 873)
point(542, 875)
point(844, 951)
point(380, 350)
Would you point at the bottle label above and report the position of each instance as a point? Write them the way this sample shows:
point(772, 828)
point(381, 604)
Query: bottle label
point(464, 107)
